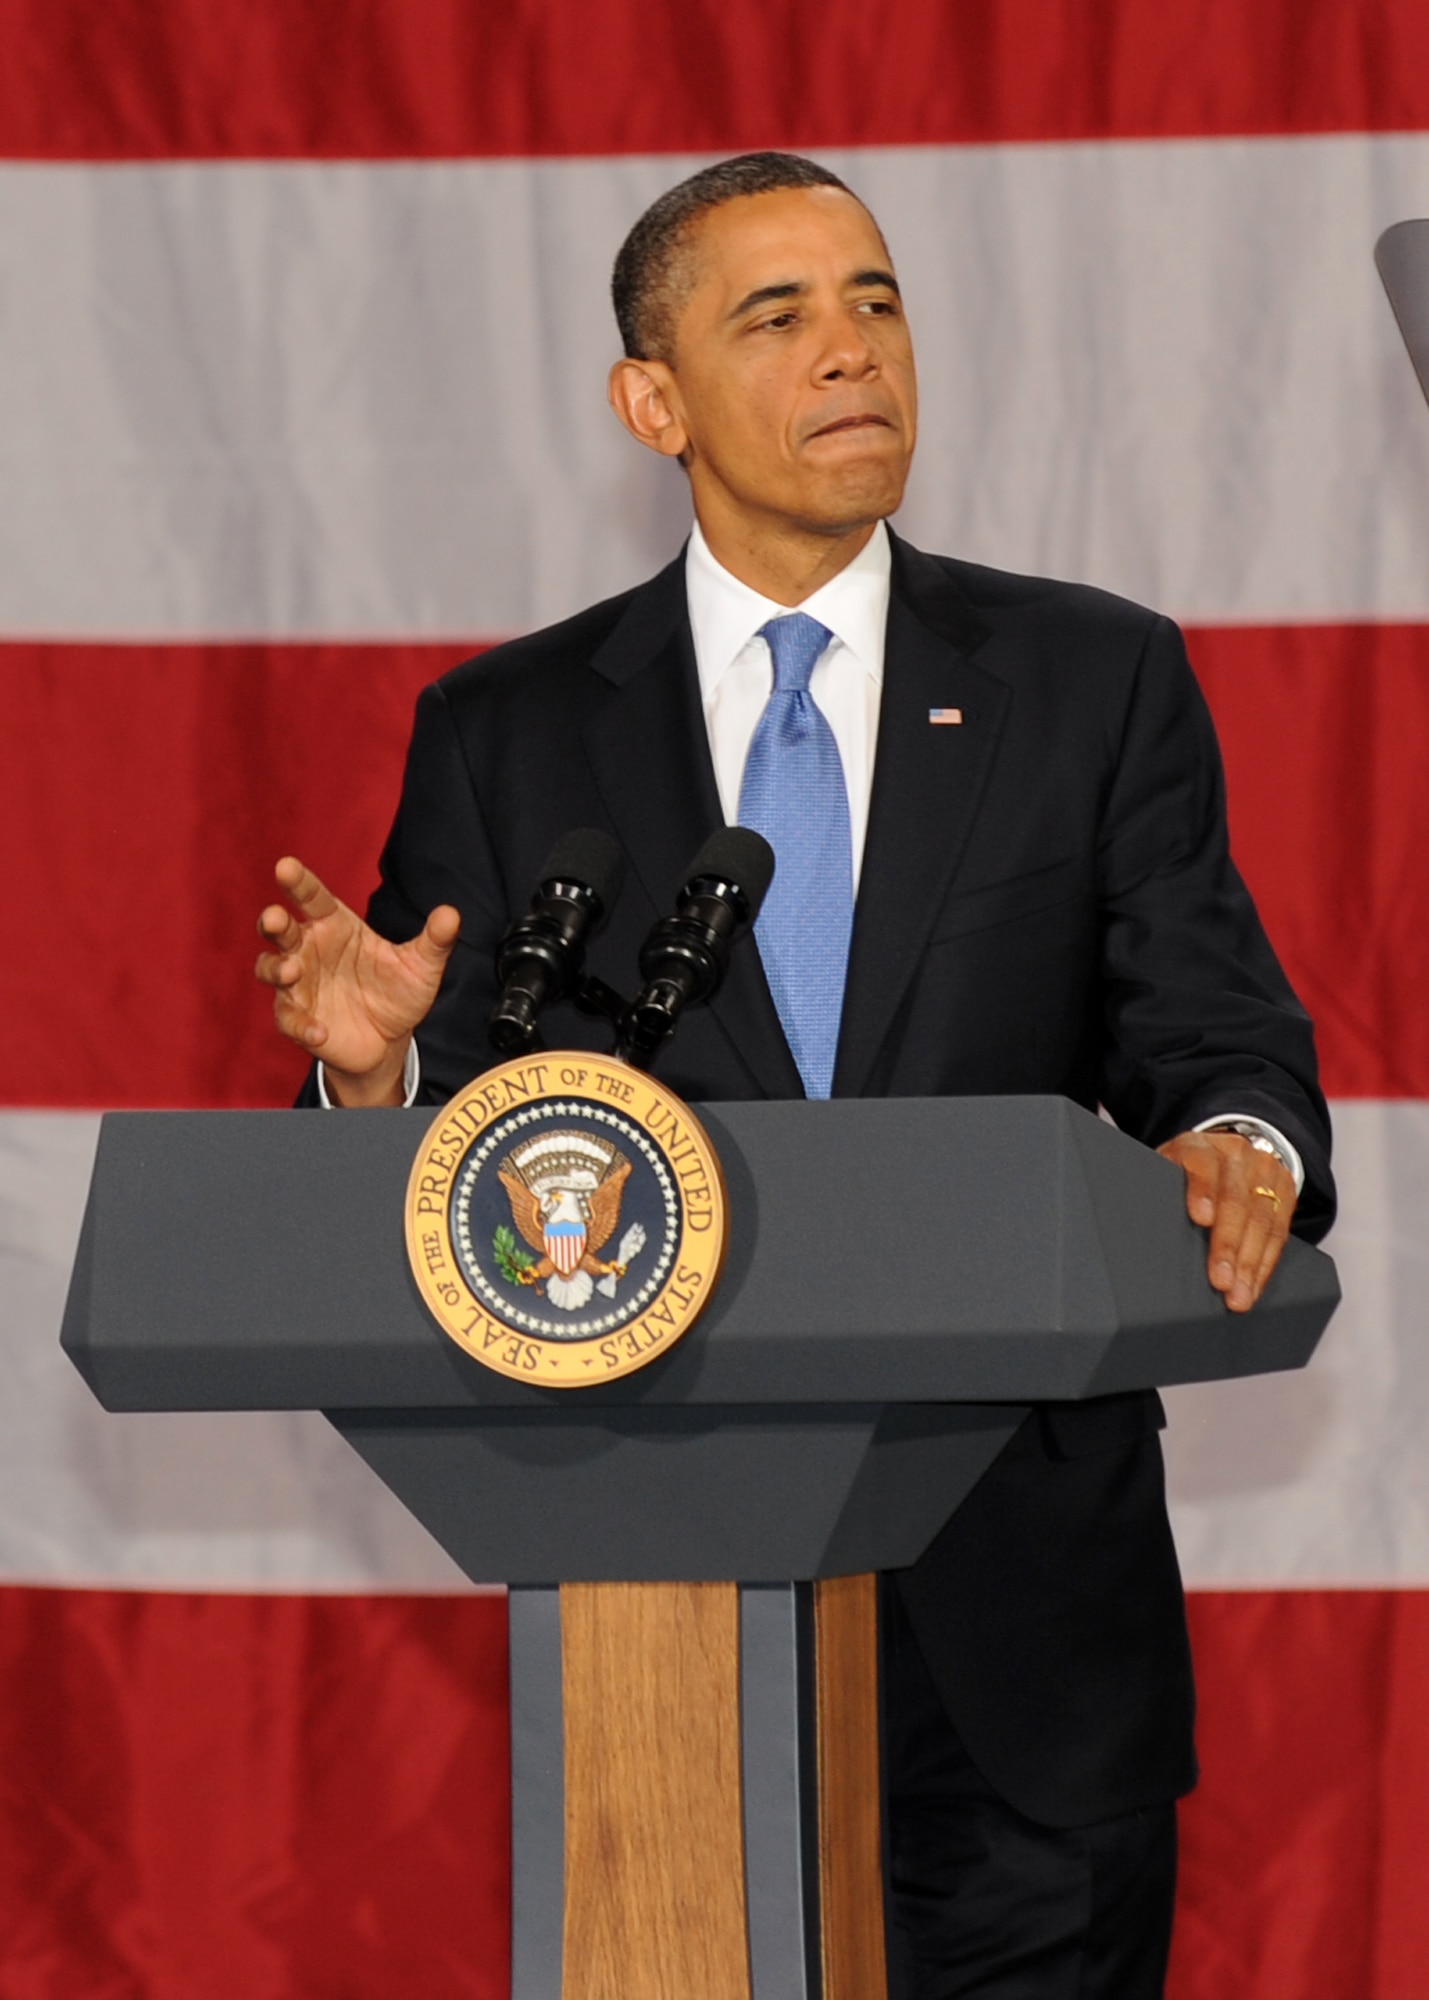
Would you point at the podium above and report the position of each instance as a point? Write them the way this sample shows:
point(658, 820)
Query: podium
point(693, 1615)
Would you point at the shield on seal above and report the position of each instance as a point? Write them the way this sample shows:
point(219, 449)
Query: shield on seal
point(564, 1236)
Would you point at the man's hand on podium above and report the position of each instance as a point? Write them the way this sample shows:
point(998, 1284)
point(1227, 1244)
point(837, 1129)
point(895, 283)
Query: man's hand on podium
point(344, 993)
point(1245, 1197)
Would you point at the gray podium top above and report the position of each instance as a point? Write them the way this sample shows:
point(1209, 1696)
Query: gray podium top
point(882, 1250)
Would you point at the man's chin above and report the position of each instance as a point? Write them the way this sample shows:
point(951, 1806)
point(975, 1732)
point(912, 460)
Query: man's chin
point(856, 500)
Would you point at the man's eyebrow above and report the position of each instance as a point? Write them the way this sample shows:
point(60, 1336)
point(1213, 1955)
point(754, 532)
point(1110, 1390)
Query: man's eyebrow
point(765, 294)
point(793, 288)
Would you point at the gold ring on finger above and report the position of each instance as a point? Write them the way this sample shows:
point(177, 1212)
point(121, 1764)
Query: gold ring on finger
point(1269, 1193)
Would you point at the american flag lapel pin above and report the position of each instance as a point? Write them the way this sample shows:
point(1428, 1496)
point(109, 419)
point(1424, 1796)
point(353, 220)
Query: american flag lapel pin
point(945, 715)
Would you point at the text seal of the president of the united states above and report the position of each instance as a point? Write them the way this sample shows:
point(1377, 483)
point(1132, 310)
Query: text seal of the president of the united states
point(565, 1218)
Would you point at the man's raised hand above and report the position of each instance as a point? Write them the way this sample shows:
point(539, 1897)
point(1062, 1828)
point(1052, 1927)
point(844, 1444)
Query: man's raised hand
point(1245, 1198)
point(342, 992)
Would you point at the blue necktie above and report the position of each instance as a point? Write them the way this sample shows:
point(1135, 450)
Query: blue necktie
point(794, 794)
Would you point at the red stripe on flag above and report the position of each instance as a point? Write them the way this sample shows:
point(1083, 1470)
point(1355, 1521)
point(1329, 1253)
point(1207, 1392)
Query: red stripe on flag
point(149, 793)
point(1305, 1849)
point(152, 788)
point(1325, 731)
point(253, 1798)
point(216, 79)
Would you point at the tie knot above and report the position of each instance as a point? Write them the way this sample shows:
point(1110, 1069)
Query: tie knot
point(796, 643)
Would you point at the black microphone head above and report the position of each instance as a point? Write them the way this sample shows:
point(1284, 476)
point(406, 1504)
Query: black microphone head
point(590, 857)
point(739, 855)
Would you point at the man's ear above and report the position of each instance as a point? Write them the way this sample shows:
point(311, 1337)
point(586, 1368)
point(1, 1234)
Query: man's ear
point(643, 394)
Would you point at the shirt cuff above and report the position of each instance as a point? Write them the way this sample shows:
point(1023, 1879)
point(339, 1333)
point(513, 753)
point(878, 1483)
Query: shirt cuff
point(1262, 1125)
point(411, 1081)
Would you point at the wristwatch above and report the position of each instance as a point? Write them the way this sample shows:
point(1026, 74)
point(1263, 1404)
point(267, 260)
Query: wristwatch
point(1256, 1137)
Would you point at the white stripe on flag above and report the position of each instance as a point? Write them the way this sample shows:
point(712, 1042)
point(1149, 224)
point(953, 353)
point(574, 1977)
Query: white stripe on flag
point(1317, 1478)
point(1314, 1478)
point(368, 400)
point(241, 1502)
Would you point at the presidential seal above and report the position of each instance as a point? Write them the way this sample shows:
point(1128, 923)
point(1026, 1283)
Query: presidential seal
point(565, 1219)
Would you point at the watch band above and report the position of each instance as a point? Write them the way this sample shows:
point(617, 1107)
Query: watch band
point(1254, 1136)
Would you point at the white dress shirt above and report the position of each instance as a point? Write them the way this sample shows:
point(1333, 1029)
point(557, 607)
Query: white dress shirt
point(736, 670)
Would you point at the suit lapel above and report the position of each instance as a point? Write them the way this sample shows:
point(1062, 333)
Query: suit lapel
point(648, 746)
point(928, 782)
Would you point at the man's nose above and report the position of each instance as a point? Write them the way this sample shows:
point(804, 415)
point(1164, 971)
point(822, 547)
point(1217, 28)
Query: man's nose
point(848, 353)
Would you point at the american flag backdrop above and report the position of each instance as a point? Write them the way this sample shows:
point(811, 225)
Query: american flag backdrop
point(303, 336)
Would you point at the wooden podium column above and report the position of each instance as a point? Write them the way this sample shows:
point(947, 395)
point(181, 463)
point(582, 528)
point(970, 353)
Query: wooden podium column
point(850, 1788)
point(655, 1838)
point(654, 1823)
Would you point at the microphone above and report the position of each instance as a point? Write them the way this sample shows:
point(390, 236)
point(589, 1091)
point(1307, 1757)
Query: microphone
point(682, 961)
point(539, 959)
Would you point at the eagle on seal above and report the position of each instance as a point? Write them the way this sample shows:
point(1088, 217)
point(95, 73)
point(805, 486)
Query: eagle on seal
point(565, 1190)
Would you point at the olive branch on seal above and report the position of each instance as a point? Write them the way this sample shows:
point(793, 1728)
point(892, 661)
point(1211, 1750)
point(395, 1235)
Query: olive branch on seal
point(511, 1259)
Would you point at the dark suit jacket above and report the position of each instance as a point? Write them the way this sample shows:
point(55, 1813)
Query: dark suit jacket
point(1047, 905)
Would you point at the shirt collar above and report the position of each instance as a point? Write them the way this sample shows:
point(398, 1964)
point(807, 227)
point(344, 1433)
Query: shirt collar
point(725, 614)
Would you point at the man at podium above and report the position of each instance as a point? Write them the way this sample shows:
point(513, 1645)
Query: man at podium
point(998, 814)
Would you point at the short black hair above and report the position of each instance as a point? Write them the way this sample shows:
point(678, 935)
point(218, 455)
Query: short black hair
point(652, 270)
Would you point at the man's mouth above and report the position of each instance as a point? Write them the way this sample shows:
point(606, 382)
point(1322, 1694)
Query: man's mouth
point(855, 423)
